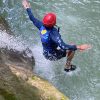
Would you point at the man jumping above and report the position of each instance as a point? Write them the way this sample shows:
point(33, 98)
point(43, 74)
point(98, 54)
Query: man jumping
point(51, 39)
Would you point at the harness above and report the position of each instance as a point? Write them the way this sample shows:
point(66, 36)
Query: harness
point(58, 28)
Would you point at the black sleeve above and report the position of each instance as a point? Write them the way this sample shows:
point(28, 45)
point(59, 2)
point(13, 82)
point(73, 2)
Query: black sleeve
point(56, 37)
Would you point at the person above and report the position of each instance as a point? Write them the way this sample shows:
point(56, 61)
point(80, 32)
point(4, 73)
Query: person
point(53, 46)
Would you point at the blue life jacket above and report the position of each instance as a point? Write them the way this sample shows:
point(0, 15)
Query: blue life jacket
point(46, 40)
point(44, 34)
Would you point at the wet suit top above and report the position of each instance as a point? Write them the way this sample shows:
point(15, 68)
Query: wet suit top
point(50, 37)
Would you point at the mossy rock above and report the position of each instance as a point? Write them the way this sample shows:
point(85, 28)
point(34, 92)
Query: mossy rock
point(12, 88)
point(7, 95)
point(49, 91)
point(36, 88)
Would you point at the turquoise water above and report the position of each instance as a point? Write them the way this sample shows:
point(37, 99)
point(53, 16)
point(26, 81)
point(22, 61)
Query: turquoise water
point(80, 23)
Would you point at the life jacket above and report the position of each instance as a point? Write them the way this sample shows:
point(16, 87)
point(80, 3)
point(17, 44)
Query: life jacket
point(44, 34)
point(47, 43)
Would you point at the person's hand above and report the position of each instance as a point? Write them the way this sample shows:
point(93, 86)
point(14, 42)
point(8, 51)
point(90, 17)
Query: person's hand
point(26, 4)
point(84, 47)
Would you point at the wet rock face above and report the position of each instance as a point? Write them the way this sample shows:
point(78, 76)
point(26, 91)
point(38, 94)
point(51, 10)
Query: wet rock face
point(14, 57)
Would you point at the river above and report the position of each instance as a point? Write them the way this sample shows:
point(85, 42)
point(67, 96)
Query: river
point(80, 23)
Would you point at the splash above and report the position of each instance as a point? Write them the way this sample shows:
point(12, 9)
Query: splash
point(43, 67)
point(11, 42)
point(71, 73)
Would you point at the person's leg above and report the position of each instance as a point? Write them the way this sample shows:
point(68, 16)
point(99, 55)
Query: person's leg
point(69, 66)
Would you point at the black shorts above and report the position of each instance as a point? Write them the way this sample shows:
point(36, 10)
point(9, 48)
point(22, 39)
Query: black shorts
point(54, 55)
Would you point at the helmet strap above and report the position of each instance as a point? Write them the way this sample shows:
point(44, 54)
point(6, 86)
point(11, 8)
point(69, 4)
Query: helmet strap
point(58, 28)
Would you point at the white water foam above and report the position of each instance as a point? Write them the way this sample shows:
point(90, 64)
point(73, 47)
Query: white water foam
point(43, 67)
point(71, 73)
point(11, 42)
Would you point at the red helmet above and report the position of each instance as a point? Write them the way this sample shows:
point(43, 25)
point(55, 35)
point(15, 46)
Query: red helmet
point(49, 20)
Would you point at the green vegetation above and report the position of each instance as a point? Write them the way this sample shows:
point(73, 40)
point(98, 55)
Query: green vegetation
point(7, 95)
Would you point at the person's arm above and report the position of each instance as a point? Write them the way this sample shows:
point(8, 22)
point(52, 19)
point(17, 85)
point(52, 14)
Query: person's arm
point(56, 37)
point(35, 21)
